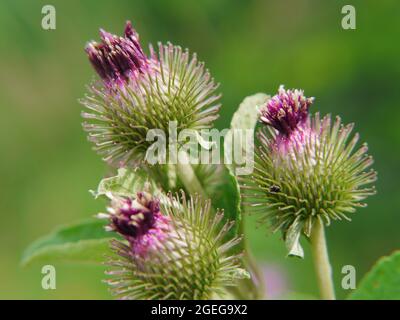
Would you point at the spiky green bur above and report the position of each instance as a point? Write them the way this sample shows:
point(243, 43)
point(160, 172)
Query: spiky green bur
point(138, 93)
point(312, 171)
point(188, 258)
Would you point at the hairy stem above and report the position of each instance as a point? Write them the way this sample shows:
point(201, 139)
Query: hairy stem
point(321, 262)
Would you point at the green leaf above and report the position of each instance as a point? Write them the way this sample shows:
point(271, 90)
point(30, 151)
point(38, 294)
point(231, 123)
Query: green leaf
point(292, 239)
point(85, 242)
point(247, 114)
point(382, 282)
point(227, 198)
point(245, 118)
point(126, 183)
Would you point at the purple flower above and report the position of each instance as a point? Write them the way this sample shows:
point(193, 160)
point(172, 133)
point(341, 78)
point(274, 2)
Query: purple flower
point(118, 59)
point(139, 221)
point(286, 111)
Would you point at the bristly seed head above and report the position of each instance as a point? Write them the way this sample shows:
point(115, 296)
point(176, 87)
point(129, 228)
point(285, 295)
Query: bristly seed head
point(189, 256)
point(139, 93)
point(286, 111)
point(305, 169)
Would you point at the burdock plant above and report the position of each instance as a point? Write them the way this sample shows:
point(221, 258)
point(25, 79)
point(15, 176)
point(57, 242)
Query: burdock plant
point(307, 172)
point(175, 231)
point(173, 251)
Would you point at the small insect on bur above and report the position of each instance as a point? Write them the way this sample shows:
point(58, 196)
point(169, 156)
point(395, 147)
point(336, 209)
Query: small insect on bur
point(274, 188)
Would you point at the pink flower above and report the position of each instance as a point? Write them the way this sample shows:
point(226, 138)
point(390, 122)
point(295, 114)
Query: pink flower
point(286, 111)
point(139, 221)
point(118, 59)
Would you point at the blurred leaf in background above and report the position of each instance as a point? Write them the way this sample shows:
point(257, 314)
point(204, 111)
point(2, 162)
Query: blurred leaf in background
point(47, 167)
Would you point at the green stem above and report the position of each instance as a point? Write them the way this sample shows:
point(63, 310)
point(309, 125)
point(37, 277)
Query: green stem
point(188, 177)
point(259, 286)
point(321, 262)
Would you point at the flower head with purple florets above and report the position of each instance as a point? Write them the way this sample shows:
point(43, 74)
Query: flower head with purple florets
point(139, 92)
point(118, 59)
point(305, 169)
point(139, 221)
point(175, 249)
point(287, 112)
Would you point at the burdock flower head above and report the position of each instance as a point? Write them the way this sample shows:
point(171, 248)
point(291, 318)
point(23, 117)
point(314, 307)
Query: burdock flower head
point(137, 93)
point(306, 169)
point(173, 249)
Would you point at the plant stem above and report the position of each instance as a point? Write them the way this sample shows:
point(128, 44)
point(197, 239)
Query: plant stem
point(258, 285)
point(321, 262)
point(188, 176)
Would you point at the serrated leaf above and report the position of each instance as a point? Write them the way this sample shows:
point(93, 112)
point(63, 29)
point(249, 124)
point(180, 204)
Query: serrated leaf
point(382, 282)
point(84, 242)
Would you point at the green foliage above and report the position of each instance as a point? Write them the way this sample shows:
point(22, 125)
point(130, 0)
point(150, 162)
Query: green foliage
point(382, 282)
point(84, 242)
point(227, 198)
point(245, 117)
point(126, 183)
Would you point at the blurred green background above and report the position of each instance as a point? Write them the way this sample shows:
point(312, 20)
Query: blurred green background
point(47, 166)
